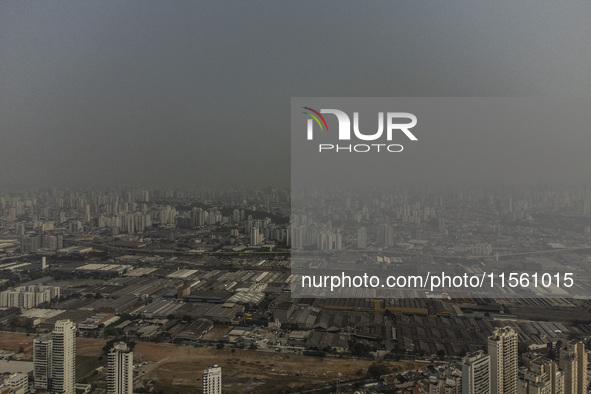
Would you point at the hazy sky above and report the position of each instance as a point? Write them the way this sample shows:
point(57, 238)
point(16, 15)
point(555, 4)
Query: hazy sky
point(188, 92)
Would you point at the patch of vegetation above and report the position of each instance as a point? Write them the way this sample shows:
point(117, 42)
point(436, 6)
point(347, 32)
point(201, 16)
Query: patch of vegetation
point(377, 369)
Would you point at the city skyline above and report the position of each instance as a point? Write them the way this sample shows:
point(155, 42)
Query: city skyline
point(208, 275)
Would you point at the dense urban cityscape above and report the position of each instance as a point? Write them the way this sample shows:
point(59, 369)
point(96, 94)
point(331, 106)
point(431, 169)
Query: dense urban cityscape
point(137, 290)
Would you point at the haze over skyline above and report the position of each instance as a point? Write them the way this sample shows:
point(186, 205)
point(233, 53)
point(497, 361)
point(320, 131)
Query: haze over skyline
point(148, 93)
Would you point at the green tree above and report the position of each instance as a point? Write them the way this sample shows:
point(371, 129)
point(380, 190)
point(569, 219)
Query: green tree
point(377, 369)
point(360, 349)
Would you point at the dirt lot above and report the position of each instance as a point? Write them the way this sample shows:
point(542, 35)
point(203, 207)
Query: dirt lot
point(14, 341)
point(243, 370)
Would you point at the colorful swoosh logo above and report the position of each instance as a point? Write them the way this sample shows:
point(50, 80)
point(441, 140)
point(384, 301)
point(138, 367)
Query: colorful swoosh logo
point(315, 115)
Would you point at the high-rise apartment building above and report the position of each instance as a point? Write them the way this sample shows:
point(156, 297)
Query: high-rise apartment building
point(385, 235)
point(212, 380)
point(42, 353)
point(256, 238)
point(54, 359)
point(120, 370)
point(573, 361)
point(362, 238)
point(502, 348)
point(42, 347)
point(63, 358)
point(476, 373)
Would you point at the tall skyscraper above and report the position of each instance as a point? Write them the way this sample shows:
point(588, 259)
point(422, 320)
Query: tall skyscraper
point(212, 380)
point(579, 348)
point(573, 361)
point(361, 238)
point(476, 373)
point(385, 235)
point(120, 372)
point(42, 349)
point(63, 358)
point(502, 348)
point(297, 237)
point(256, 238)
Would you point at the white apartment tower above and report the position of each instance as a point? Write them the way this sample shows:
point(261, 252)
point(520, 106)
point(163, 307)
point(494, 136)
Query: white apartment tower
point(256, 238)
point(502, 348)
point(476, 373)
point(120, 376)
point(42, 347)
point(212, 380)
point(63, 358)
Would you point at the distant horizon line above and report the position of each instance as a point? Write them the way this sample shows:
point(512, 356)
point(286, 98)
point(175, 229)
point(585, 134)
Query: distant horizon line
point(265, 186)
